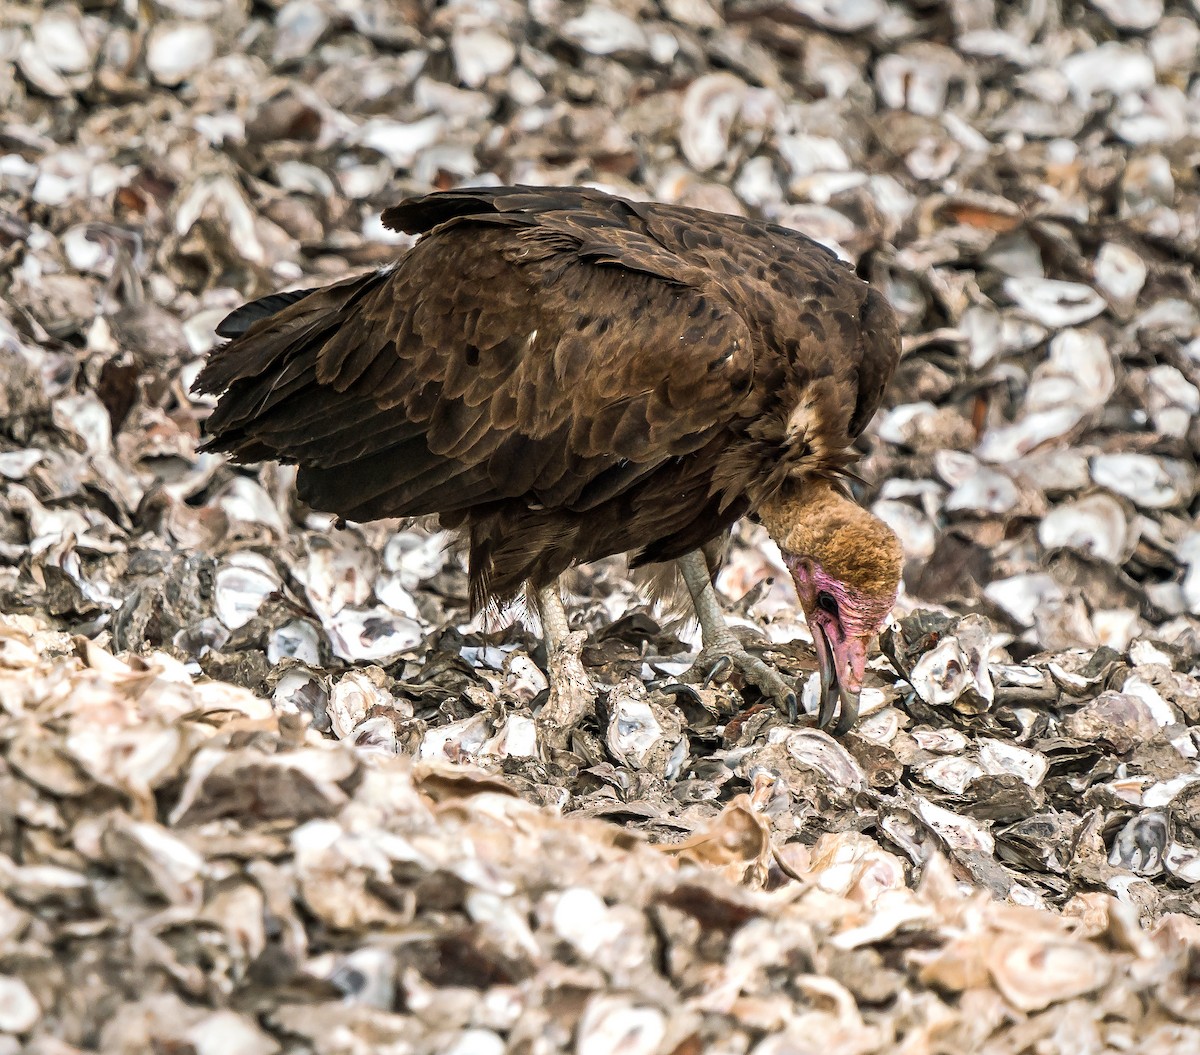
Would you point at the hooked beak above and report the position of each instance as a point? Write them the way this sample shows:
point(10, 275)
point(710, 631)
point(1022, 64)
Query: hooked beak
point(842, 665)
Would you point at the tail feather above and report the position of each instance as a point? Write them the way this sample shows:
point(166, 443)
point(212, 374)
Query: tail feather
point(237, 322)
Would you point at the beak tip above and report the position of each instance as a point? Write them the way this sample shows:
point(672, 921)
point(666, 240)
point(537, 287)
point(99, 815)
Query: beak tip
point(848, 715)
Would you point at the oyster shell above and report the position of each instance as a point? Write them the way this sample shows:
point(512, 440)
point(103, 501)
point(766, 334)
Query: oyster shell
point(177, 50)
point(644, 731)
point(1033, 974)
point(1096, 525)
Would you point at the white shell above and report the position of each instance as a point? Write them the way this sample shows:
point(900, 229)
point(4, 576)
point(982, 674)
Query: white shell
point(298, 27)
point(176, 50)
point(1188, 554)
point(985, 491)
point(476, 1042)
point(1131, 14)
point(376, 634)
point(241, 592)
point(843, 16)
point(957, 663)
point(515, 738)
point(15, 465)
point(1149, 481)
point(1054, 303)
point(612, 1025)
point(960, 833)
point(1095, 524)
point(898, 424)
point(642, 733)
point(1120, 275)
point(1034, 972)
point(603, 31)
point(998, 758)
point(1009, 443)
point(19, 1009)
point(60, 40)
point(1022, 595)
point(820, 751)
point(524, 679)
point(245, 500)
point(1175, 43)
point(1078, 372)
point(402, 141)
point(1183, 862)
point(916, 79)
point(1173, 401)
point(455, 741)
point(1109, 69)
point(917, 534)
point(710, 106)
point(952, 774)
point(354, 694)
point(297, 639)
point(480, 52)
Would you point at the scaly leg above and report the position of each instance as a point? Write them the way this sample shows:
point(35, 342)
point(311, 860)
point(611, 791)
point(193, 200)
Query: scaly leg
point(572, 696)
point(553, 614)
point(721, 648)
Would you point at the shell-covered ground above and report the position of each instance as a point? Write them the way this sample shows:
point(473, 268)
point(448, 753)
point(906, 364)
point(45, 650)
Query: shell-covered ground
point(267, 788)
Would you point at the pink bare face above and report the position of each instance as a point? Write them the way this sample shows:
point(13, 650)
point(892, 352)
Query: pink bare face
point(843, 621)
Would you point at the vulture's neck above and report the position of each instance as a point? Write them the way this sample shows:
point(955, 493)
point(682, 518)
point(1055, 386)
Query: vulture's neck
point(816, 520)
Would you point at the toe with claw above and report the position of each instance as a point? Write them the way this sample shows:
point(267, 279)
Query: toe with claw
point(718, 660)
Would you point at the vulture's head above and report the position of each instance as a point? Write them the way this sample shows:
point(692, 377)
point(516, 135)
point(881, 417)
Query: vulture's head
point(846, 565)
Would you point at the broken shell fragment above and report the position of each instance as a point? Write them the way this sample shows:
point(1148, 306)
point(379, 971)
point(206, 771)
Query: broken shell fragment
point(1149, 481)
point(1141, 843)
point(644, 731)
point(955, 671)
point(1120, 275)
point(1032, 973)
point(175, 51)
point(1054, 303)
point(1095, 525)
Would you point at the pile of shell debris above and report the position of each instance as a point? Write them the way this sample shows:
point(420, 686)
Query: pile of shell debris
point(189, 869)
point(269, 788)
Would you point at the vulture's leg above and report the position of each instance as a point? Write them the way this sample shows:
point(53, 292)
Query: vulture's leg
point(572, 696)
point(553, 614)
point(720, 645)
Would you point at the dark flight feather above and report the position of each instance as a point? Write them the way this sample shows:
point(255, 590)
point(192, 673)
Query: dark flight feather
point(562, 374)
point(238, 321)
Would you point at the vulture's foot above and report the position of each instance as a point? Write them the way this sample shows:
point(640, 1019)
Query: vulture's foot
point(572, 695)
point(718, 659)
point(721, 649)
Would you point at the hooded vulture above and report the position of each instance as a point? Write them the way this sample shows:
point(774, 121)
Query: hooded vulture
point(561, 375)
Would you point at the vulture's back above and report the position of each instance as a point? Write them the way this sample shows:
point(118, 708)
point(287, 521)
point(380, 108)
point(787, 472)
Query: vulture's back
point(565, 373)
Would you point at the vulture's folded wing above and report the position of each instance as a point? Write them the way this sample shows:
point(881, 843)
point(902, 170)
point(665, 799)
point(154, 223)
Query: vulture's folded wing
point(552, 357)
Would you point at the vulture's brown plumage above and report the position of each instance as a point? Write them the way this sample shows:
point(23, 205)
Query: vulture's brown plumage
point(564, 374)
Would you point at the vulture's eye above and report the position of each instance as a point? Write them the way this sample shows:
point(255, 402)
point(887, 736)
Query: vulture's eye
point(828, 602)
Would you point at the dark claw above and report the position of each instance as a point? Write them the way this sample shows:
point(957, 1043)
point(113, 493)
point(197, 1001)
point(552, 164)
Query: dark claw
point(720, 667)
point(793, 709)
point(677, 688)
